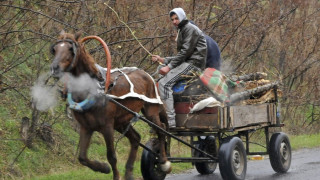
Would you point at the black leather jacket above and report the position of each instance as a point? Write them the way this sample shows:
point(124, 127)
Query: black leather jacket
point(191, 46)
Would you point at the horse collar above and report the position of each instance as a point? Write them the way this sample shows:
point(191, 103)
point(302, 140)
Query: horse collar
point(83, 105)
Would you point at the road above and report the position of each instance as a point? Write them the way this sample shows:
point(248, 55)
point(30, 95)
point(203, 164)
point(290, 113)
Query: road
point(305, 165)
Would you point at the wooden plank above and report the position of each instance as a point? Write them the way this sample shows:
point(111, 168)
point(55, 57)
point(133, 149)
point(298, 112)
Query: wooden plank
point(242, 116)
point(198, 121)
point(230, 121)
point(225, 118)
point(246, 128)
point(249, 114)
point(273, 114)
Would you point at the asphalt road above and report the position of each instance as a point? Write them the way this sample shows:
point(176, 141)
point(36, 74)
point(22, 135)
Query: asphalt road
point(305, 165)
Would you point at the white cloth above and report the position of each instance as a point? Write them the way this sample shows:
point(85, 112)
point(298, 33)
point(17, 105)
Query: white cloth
point(209, 102)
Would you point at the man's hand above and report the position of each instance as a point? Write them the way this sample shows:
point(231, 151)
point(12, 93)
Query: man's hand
point(164, 70)
point(157, 58)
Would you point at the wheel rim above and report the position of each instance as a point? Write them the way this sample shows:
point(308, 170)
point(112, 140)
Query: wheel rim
point(153, 168)
point(237, 161)
point(284, 152)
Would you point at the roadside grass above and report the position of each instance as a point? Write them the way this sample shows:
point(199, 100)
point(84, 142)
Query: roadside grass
point(81, 172)
point(178, 149)
point(59, 161)
point(304, 141)
point(97, 151)
point(64, 169)
point(45, 162)
point(296, 142)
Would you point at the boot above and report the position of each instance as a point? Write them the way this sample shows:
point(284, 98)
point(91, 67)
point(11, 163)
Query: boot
point(168, 103)
point(172, 123)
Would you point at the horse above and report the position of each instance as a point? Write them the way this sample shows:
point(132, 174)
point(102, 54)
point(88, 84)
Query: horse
point(105, 116)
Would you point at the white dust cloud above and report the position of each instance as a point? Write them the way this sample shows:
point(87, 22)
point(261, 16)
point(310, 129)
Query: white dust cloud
point(44, 97)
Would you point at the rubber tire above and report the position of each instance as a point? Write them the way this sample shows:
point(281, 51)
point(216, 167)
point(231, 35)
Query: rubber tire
point(208, 145)
point(149, 168)
point(226, 155)
point(278, 163)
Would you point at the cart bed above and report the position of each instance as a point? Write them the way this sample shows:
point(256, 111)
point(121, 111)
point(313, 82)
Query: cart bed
point(225, 118)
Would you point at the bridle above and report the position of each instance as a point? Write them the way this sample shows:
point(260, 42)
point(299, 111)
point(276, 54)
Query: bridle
point(75, 47)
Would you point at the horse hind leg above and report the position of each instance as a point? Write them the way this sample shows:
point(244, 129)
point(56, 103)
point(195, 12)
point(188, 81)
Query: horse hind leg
point(85, 136)
point(151, 111)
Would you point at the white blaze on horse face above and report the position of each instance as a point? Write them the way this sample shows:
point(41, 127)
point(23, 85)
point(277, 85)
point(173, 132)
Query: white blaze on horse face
point(62, 44)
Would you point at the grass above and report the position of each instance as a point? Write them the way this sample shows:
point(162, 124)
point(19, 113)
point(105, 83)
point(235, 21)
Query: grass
point(305, 141)
point(75, 174)
point(44, 162)
point(59, 161)
point(297, 142)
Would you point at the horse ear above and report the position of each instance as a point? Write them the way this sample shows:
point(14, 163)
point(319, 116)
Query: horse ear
point(62, 32)
point(77, 35)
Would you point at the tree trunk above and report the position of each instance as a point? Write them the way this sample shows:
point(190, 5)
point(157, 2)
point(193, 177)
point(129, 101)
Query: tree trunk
point(246, 94)
point(32, 130)
point(24, 129)
point(249, 77)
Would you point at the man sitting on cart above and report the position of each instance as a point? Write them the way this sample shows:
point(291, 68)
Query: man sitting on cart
point(192, 52)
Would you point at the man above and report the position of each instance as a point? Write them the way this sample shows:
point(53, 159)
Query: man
point(192, 52)
point(213, 52)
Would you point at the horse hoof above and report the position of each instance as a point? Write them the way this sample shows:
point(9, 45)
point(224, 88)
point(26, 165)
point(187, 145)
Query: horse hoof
point(103, 167)
point(166, 167)
point(129, 178)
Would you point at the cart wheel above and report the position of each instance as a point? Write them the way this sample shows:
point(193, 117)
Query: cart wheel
point(232, 159)
point(208, 145)
point(280, 152)
point(150, 168)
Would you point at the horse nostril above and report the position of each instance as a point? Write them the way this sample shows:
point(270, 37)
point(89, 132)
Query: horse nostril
point(54, 69)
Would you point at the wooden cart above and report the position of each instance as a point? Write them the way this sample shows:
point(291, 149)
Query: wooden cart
point(211, 143)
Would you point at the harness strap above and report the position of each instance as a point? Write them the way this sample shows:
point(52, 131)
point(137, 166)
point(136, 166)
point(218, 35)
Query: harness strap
point(134, 119)
point(156, 100)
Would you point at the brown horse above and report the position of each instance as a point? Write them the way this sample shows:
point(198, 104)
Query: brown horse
point(105, 116)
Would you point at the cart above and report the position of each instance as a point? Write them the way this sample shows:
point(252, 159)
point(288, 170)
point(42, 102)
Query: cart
point(211, 143)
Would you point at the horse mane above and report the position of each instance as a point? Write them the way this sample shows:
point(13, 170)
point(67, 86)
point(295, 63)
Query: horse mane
point(83, 56)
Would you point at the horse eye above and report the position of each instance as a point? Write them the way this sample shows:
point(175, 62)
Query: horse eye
point(52, 50)
point(71, 50)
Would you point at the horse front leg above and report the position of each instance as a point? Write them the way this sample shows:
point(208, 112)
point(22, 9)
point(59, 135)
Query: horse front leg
point(108, 132)
point(134, 139)
point(85, 136)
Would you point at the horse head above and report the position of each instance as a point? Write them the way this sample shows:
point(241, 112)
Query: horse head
point(66, 52)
